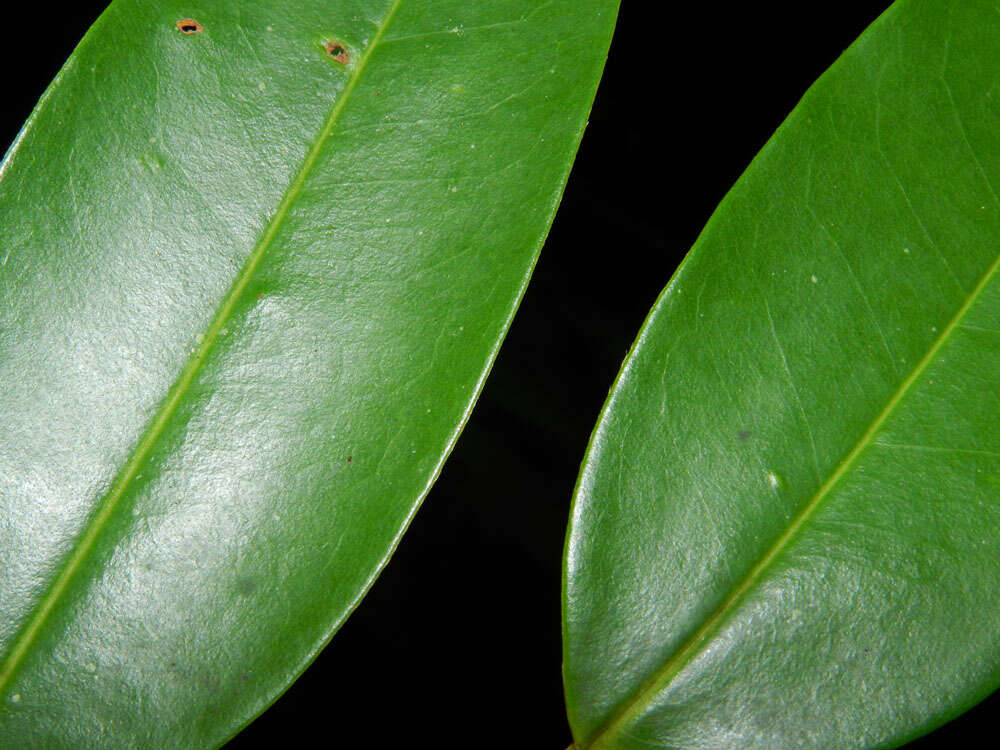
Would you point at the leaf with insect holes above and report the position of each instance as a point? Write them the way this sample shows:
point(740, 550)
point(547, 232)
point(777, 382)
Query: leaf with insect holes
point(787, 528)
point(256, 259)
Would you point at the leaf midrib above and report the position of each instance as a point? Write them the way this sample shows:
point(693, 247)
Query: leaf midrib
point(85, 542)
point(693, 645)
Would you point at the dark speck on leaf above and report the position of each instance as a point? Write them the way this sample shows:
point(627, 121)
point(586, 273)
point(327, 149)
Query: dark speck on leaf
point(338, 52)
point(743, 435)
point(189, 26)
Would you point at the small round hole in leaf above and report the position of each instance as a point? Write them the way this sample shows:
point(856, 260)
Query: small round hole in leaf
point(189, 26)
point(338, 52)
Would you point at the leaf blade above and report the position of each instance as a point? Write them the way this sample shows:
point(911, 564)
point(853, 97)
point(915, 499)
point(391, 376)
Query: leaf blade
point(329, 349)
point(795, 292)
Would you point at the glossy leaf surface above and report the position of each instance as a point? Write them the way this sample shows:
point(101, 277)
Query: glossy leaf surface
point(256, 259)
point(787, 528)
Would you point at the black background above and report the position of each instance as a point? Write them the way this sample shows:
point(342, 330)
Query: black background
point(458, 643)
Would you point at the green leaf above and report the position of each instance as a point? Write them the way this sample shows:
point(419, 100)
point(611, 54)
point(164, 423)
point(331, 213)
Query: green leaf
point(786, 532)
point(256, 260)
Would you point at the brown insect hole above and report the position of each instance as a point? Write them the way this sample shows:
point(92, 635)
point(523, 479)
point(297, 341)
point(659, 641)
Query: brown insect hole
point(189, 26)
point(338, 52)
